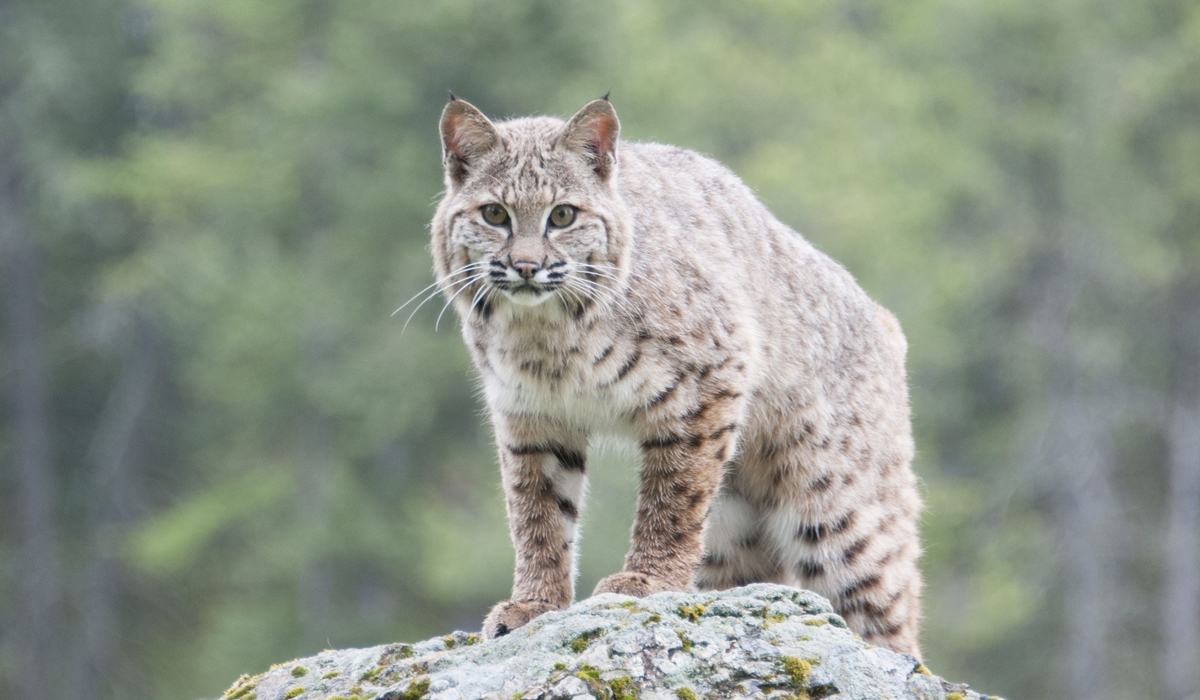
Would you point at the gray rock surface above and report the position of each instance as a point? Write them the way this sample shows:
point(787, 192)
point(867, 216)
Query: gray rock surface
point(758, 641)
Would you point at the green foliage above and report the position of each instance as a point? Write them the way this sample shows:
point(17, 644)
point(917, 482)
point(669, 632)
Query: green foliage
point(415, 690)
point(797, 670)
point(622, 688)
point(371, 674)
point(251, 181)
point(692, 612)
point(580, 643)
point(242, 687)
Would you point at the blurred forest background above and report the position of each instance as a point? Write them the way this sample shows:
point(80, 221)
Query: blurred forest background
point(219, 452)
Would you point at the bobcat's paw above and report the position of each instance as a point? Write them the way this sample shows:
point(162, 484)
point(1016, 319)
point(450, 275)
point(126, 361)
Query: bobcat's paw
point(634, 584)
point(511, 614)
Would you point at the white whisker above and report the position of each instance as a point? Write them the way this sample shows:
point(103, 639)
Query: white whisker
point(599, 271)
point(479, 296)
point(574, 295)
point(459, 271)
point(450, 287)
point(464, 288)
point(592, 289)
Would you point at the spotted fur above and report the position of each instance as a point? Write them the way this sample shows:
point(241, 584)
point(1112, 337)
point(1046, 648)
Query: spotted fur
point(766, 390)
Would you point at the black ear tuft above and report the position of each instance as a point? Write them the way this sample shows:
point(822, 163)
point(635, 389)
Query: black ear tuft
point(452, 97)
point(605, 98)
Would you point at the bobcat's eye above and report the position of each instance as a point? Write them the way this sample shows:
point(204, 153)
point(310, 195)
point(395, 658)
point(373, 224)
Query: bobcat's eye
point(494, 214)
point(562, 215)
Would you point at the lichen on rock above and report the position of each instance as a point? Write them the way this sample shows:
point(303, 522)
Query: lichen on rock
point(757, 641)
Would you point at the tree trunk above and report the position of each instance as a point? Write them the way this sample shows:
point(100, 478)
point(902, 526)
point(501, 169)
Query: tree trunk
point(39, 574)
point(315, 482)
point(1181, 583)
point(1073, 451)
point(117, 452)
point(1083, 505)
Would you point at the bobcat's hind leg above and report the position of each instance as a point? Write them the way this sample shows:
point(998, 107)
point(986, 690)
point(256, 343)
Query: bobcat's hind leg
point(864, 560)
point(736, 552)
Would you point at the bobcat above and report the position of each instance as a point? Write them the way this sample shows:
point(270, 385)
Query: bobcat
point(642, 289)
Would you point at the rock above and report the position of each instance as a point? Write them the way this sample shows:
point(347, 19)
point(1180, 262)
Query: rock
point(758, 641)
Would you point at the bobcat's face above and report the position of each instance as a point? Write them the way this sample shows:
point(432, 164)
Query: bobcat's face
point(531, 213)
point(531, 244)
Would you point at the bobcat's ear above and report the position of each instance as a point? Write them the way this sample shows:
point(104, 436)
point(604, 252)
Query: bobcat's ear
point(466, 136)
point(593, 131)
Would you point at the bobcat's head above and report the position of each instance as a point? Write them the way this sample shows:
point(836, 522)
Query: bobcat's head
point(531, 211)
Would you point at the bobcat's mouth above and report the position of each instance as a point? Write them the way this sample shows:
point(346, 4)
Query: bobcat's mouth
point(527, 292)
point(529, 288)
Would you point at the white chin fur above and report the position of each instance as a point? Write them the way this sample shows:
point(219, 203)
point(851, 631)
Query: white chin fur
point(526, 298)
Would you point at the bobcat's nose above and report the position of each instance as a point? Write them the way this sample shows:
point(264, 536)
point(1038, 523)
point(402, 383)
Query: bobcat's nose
point(526, 268)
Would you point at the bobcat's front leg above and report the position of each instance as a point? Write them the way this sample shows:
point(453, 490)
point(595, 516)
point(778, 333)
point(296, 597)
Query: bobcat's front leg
point(542, 467)
point(682, 459)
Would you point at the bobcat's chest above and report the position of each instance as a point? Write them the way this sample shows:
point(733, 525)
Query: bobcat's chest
point(556, 378)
